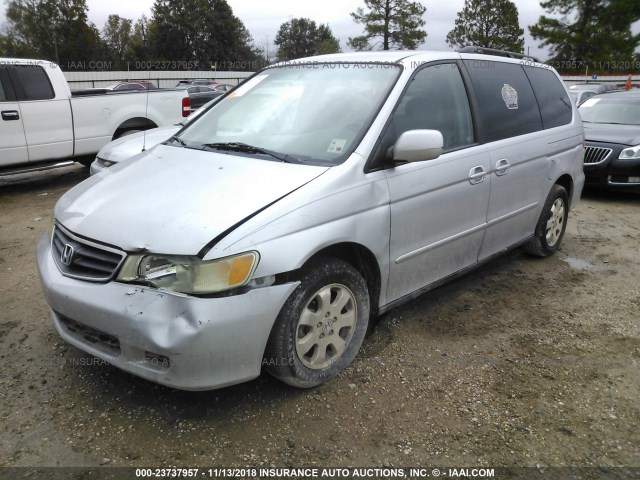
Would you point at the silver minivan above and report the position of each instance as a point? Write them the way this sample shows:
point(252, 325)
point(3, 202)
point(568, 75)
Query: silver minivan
point(318, 194)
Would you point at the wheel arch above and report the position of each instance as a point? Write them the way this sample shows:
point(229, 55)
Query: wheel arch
point(567, 182)
point(363, 260)
point(136, 123)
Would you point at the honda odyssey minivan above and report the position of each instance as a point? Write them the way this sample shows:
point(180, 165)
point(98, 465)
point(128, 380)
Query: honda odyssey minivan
point(318, 194)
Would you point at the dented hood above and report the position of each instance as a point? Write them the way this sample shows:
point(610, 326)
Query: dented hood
point(175, 200)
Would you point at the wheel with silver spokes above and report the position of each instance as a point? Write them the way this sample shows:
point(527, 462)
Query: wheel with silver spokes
point(326, 326)
point(321, 325)
point(551, 224)
point(555, 224)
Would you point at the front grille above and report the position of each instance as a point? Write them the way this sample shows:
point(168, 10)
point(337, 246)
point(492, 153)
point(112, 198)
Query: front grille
point(79, 258)
point(98, 339)
point(594, 155)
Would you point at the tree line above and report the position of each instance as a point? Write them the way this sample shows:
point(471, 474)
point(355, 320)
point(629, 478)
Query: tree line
point(205, 34)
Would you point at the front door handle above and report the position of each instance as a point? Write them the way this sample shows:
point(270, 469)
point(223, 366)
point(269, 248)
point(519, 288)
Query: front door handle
point(477, 174)
point(10, 115)
point(502, 167)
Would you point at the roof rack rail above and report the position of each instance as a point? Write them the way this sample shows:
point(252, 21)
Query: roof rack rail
point(495, 51)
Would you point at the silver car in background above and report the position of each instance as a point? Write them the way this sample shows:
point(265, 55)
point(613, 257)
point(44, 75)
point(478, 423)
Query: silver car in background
point(318, 194)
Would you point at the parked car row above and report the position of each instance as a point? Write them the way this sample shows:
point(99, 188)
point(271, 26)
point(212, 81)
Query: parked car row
point(205, 82)
point(147, 85)
point(581, 92)
point(201, 94)
point(126, 86)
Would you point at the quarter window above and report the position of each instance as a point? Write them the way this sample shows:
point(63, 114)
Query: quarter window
point(555, 105)
point(507, 106)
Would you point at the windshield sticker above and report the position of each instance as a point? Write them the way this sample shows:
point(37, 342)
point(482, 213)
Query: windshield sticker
point(590, 103)
point(510, 96)
point(337, 145)
point(248, 86)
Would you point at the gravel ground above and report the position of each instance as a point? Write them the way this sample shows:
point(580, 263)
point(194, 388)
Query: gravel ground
point(522, 363)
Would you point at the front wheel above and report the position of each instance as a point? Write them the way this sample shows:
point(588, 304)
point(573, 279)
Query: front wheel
point(321, 325)
point(551, 225)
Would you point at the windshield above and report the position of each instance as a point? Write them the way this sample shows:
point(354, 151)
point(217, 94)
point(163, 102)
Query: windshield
point(611, 110)
point(304, 112)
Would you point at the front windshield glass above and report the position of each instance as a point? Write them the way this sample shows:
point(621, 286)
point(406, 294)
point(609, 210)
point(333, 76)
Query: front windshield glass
point(611, 110)
point(305, 112)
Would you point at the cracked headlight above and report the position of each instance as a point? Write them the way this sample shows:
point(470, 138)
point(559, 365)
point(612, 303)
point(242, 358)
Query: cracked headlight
point(190, 275)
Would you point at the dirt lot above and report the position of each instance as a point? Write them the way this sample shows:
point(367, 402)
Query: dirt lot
point(525, 362)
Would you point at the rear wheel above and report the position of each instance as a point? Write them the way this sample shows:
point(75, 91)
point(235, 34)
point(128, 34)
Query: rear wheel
point(551, 225)
point(321, 326)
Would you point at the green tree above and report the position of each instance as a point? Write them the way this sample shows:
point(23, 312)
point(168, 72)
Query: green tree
point(594, 33)
point(301, 37)
point(138, 46)
point(117, 36)
point(397, 23)
point(266, 52)
point(489, 24)
point(202, 31)
point(55, 30)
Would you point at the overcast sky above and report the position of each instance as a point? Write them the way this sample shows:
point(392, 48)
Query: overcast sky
point(263, 18)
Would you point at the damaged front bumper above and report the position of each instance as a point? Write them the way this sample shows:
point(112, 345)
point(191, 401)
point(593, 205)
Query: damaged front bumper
point(176, 340)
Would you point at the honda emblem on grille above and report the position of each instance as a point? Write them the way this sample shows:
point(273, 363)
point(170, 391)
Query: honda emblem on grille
point(67, 254)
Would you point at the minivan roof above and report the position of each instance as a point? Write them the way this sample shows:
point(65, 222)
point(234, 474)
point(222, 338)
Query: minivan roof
point(401, 56)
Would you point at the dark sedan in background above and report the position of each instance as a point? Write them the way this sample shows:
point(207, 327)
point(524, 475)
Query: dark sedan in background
point(612, 132)
point(200, 94)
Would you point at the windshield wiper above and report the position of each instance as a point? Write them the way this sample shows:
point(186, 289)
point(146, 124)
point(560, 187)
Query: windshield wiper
point(177, 140)
point(245, 148)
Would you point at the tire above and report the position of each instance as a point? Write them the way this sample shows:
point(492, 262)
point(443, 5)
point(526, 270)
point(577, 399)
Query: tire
point(551, 225)
point(321, 326)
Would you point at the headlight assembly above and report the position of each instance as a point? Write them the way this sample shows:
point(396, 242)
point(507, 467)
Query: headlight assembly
point(631, 153)
point(190, 275)
point(101, 162)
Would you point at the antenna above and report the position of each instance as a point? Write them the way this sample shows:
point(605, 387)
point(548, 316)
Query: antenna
point(146, 112)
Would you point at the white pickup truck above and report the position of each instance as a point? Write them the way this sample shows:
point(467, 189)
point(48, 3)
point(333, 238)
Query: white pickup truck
point(43, 122)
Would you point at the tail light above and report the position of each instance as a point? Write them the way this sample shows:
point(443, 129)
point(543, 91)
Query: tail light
point(186, 107)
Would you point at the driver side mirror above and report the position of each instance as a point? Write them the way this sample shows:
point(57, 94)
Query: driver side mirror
point(418, 146)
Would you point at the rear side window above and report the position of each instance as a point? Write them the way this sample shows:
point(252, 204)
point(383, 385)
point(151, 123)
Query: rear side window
point(507, 106)
point(34, 83)
point(554, 103)
point(6, 90)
